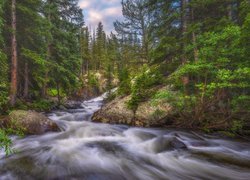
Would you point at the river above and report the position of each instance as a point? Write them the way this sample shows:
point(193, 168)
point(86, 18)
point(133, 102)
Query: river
point(91, 151)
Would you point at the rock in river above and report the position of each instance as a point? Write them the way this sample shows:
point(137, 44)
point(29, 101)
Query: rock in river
point(31, 122)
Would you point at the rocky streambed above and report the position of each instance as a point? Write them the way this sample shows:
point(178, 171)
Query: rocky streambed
point(94, 151)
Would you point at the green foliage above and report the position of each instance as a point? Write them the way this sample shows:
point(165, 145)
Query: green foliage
point(237, 126)
point(108, 76)
point(241, 103)
point(93, 80)
point(202, 48)
point(37, 105)
point(5, 142)
point(3, 65)
point(215, 86)
point(3, 101)
point(157, 114)
point(13, 129)
point(141, 86)
point(42, 105)
point(177, 100)
point(52, 92)
point(125, 82)
point(15, 126)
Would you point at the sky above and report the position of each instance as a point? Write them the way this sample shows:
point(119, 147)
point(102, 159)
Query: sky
point(106, 11)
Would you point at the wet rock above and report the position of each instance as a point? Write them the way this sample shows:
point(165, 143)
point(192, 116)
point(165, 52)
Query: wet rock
point(31, 122)
point(107, 147)
point(62, 107)
point(162, 144)
point(73, 105)
point(144, 136)
point(24, 167)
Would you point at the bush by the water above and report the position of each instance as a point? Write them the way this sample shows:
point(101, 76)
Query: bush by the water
point(141, 86)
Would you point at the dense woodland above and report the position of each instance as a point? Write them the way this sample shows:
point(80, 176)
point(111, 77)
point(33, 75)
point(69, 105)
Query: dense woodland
point(199, 49)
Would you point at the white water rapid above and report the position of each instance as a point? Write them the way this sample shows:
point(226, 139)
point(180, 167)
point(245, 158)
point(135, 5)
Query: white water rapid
point(91, 151)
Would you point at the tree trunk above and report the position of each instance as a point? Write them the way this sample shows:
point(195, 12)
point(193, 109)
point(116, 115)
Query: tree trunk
point(82, 51)
point(45, 88)
point(184, 19)
point(144, 41)
point(194, 38)
point(13, 86)
point(26, 81)
point(45, 85)
point(184, 23)
point(230, 11)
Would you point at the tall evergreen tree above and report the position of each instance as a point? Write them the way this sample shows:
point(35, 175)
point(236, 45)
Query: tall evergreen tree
point(3, 61)
point(31, 46)
point(66, 19)
point(101, 45)
point(13, 87)
point(85, 50)
point(137, 20)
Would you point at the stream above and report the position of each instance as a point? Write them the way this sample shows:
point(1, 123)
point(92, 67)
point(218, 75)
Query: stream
point(92, 151)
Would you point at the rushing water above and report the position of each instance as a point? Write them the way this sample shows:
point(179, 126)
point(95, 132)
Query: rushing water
point(90, 151)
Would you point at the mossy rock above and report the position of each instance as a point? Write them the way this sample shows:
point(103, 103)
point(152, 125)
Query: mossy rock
point(31, 122)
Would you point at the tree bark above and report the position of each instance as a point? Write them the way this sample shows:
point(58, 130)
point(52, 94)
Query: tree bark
point(13, 86)
point(184, 19)
point(230, 11)
point(26, 81)
point(45, 88)
point(194, 37)
point(82, 43)
point(145, 44)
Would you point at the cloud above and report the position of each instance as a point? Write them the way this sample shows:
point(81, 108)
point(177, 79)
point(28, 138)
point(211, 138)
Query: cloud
point(94, 16)
point(113, 11)
point(106, 11)
point(84, 4)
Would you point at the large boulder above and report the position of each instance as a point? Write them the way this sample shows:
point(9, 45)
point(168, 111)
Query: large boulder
point(31, 122)
point(147, 115)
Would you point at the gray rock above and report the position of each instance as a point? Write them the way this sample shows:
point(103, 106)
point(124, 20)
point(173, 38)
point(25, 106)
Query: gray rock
point(31, 122)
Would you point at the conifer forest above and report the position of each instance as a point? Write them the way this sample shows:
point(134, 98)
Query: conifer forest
point(162, 94)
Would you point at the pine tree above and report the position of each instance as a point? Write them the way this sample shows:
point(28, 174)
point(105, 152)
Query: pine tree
point(85, 50)
point(13, 87)
point(137, 19)
point(101, 46)
point(65, 61)
point(30, 35)
point(3, 63)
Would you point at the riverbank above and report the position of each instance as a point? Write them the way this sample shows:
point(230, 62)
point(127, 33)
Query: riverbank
point(162, 114)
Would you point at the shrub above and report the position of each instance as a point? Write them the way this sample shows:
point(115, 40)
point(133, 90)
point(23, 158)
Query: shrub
point(42, 105)
point(5, 142)
point(93, 80)
point(125, 84)
point(141, 86)
point(237, 126)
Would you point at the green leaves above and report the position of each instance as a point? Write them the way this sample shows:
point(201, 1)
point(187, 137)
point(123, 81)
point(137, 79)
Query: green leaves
point(125, 82)
point(142, 84)
point(5, 142)
point(34, 57)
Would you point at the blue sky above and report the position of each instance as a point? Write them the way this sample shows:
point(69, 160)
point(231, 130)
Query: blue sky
point(106, 11)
